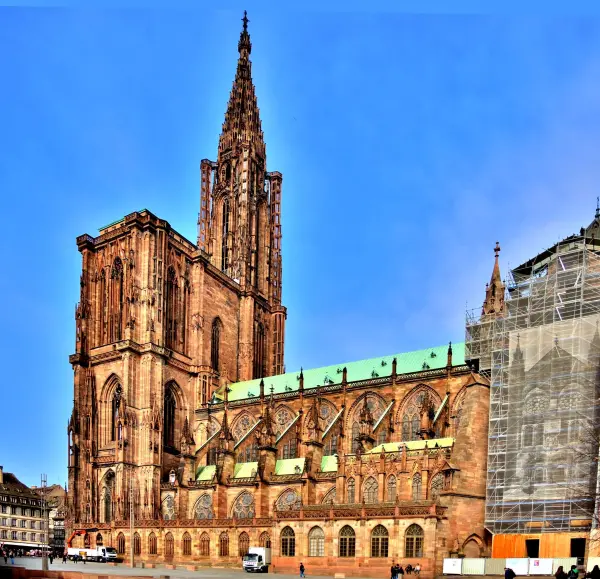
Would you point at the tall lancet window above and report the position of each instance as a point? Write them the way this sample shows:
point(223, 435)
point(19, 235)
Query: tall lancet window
point(214, 344)
point(169, 418)
point(259, 350)
point(225, 235)
point(116, 300)
point(172, 309)
point(257, 253)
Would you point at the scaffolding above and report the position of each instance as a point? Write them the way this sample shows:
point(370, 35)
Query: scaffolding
point(542, 356)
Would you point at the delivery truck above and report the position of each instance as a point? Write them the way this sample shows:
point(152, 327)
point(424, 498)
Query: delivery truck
point(258, 560)
point(102, 554)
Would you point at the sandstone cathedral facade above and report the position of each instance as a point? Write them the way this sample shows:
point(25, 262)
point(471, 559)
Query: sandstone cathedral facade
point(185, 419)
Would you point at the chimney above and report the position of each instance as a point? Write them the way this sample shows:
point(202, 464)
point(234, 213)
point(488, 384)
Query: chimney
point(1, 475)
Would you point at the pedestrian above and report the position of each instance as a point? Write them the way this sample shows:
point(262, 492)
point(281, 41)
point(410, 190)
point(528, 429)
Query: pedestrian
point(417, 569)
point(400, 571)
point(560, 573)
point(64, 556)
point(595, 573)
point(302, 569)
point(75, 558)
point(509, 573)
point(573, 572)
point(409, 569)
point(5, 557)
point(393, 571)
point(51, 558)
point(11, 556)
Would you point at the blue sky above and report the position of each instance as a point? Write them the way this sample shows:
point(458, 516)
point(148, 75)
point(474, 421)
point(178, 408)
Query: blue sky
point(409, 144)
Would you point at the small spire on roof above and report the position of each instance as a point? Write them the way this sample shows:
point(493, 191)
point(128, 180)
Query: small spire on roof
point(597, 207)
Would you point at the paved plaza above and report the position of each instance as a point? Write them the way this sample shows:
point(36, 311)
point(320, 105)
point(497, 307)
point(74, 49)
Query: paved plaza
point(124, 569)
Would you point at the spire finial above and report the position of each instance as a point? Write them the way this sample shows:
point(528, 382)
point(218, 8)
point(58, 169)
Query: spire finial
point(497, 250)
point(597, 207)
point(245, 21)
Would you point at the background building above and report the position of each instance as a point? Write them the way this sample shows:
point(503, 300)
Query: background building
point(538, 341)
point(22, 517)
point(184, 418)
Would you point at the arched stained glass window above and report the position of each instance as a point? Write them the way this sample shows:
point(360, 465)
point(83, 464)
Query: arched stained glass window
point(347, 542)
point(288, 542)
point(152, 544)
point(215, 342)
point(289, 501)
point(379, 542)
point(391, 488)
point(243, 544)
point(169, 418)
point(203, 507)
point(243, 508)
point(187, 544)
point(416, 487)
point(414, 541)
point(204, 545)
point(169, 545)
point(351, 491)
point(316, 542)
point(224, 544)
point(437, 486)
point(329, 498)
point(121, 544)
point(265, 540)
point(137, 544)
point(370, 491)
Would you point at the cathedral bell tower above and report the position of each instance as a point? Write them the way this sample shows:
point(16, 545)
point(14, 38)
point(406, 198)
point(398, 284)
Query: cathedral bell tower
point(239, 224)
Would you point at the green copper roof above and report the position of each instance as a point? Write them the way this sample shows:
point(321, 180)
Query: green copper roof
point(245, 469)
point(413, 445)
point(329, 463)
point(407, 363)
point(206, 472)
point(288, 465)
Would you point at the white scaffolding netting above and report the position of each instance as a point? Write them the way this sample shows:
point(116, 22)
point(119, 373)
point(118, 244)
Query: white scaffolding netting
point(543, 360)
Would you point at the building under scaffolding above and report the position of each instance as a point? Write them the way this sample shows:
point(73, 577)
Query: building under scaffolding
point(540, 347)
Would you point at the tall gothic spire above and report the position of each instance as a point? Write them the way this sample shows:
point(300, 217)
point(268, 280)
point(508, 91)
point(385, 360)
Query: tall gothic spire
point(494, 291)
point(242, 122)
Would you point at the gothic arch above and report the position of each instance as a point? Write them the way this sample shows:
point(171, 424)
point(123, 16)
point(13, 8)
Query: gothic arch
point(471, 543)
point(408, 414)
point(241, 424)
point(107, 497)
point(203, 507)
point(328, 411)
point(412, 395)
point(377, 405)
point(329, 497)
point(243, 507)
point(288, 500)
point(283, 416)
point(109, 387)
point(456, 411)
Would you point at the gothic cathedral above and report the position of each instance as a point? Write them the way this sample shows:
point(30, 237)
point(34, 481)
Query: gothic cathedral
point(185, 419)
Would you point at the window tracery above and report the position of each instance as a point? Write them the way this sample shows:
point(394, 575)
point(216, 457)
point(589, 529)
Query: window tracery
point(351, 491)
point(347, 542)
point(370, 491)
point(169, 545)
point(416, 487)
point(152, 544)
point(243, 544)
point(187, 544)
point(204, 545)
point(168, 508)
point(437, 486)
point(283, 418)
point(289, 501)
point(413, 541)
point(329, 498)
point(242, 425)
point(170, 406)
point(316, 542)
point(288, 542)
point(203, 507)
point(243, 508)
point(391, 488)
point(379, 541)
